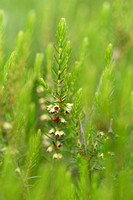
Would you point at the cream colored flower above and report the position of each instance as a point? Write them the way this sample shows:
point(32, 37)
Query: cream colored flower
point(62, 120)
point(100, 134)
point(111, 153)
point(51, 131)
point(46, 141)
point(43, 107)
point(17, 170)
point(56, 108)
point(62, 133)
point(55, 156)
point(7, 126)
point(59, 144)
point(41, 101)
point(39, 89)
point(59, 156)
point(49, 107)
point(50, 149)
point(44, 117)
point(101, 155)
point(57, 133)
point(68, 107)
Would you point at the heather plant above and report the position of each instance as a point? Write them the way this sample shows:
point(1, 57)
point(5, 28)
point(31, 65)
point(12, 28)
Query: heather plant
point(66, 113)
point(58, 106)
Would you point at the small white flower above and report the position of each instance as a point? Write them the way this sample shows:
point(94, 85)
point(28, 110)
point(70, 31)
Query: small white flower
point(46, 141)
point(59, 144)
point(56, 108)
point(59, 155)
point(55, 156)
point(57, 133)
point(52, 110)
point(62, 120)
point(62, 133)
point(41, 101)
point(43, 107)
point(17, 170)
point(50, 149)
point(111, 153)
point(3, 150)
point(100, 134)
point(101, 155)
point(39, 89)
point(51, 131)
point(49, 107)
point(7, 126)
point(44, 117)
point(68, 107)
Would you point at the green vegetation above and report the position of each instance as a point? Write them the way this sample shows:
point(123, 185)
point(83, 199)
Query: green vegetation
point(66, 113)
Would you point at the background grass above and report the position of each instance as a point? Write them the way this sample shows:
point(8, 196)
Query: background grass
point(26, 170)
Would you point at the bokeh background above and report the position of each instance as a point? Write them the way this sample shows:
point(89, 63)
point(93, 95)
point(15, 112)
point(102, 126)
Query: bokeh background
point(102, 22)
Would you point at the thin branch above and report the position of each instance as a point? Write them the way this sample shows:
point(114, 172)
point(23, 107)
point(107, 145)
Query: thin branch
point(82, 135)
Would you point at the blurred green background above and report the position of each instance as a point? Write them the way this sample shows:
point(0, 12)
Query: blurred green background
point(84, 18)
point(102, 22)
